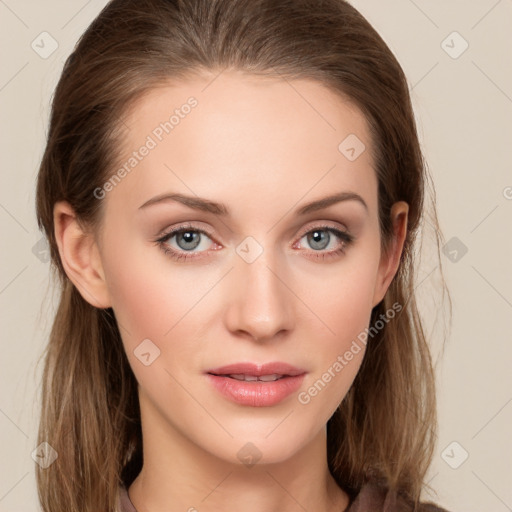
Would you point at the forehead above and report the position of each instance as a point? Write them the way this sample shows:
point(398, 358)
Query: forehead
point(241, 137)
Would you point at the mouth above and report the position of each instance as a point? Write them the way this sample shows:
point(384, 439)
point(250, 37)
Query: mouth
point(252, 378)
point(252, 371)
point(256, 385)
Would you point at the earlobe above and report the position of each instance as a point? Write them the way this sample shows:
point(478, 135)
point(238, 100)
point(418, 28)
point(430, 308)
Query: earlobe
point(390, 262)
point(80, 256)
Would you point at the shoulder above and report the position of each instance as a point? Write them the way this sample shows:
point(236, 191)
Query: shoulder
point(124, 504)
point(375, 498)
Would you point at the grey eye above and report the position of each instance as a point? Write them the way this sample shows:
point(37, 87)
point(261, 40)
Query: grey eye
point(191, 239)
point(319, 239)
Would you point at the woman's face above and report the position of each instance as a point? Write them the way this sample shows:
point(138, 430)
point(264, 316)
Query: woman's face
point(249, 279)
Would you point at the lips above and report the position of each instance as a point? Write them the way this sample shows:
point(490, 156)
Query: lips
point(252, 378)
point(237, 370)
point(256, 385)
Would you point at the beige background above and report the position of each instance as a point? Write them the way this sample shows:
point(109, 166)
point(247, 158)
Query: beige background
point(464, 110)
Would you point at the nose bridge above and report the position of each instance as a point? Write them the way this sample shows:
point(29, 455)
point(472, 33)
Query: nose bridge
point(260, 302)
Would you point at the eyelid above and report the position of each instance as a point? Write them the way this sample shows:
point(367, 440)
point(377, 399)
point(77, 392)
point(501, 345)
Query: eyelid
point(320, 224)
point(183, 227)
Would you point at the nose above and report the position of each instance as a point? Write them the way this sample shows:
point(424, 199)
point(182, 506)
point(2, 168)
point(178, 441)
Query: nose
point(260, 301)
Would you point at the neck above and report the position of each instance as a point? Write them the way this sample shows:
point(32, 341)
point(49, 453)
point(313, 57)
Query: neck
point(179, 475)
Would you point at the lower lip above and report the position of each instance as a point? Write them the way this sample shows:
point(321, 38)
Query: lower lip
point(256, 393)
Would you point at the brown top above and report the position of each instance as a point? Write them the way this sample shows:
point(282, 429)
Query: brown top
point(371, 498)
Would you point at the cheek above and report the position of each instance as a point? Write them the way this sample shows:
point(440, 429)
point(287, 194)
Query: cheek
point(137, 298)
point(344, 302)
point(153, 300)
point(139, 290)
point(345, 308)
point(344, 305)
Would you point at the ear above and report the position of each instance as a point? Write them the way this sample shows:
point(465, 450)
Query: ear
point(390, 261)
point(80, 256)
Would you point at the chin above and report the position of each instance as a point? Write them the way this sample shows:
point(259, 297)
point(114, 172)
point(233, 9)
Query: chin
point(260, 447)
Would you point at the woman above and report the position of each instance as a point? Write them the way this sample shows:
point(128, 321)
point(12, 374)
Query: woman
point(231, 190)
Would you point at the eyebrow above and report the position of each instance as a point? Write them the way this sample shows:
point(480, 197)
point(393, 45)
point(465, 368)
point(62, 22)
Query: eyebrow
point(198, 203)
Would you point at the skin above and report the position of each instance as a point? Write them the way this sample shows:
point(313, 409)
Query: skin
point(263, 147)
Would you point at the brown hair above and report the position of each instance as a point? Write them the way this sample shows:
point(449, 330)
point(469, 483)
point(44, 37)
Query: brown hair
point(385, 426)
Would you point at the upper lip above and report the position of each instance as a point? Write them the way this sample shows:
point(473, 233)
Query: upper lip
point(277, 367)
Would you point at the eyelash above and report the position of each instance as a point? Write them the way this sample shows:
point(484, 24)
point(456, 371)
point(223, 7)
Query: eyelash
point(346, 241)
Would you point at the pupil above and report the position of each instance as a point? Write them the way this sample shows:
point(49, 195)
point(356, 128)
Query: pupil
point(317, 237)
point(187, 238)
